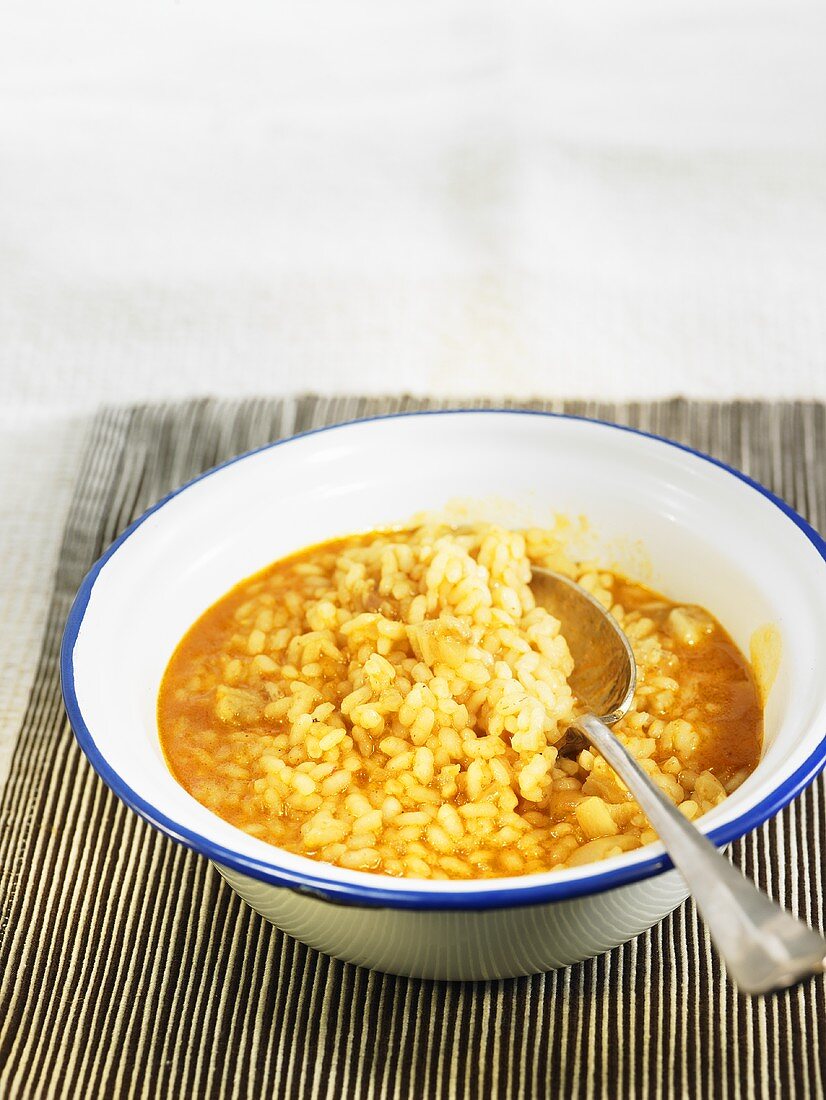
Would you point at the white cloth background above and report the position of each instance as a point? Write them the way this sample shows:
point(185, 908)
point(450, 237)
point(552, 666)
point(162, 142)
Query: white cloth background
point(452, 196)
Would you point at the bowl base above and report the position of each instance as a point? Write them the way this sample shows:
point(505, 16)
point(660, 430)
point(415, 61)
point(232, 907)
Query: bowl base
point(465, 945)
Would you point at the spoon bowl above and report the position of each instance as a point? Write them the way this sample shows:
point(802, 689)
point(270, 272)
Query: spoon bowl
point(605, 672)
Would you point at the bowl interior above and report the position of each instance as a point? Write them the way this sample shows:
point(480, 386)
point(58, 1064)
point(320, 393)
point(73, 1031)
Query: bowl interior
point(691, 528)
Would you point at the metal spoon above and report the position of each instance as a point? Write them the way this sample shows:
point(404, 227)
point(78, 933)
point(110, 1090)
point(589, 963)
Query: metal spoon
point(763, 947)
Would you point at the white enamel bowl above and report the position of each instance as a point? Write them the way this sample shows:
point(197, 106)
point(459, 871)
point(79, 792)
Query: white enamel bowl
point(712, 537)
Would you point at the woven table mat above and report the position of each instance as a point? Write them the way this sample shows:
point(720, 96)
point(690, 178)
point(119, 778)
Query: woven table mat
point(129, 968)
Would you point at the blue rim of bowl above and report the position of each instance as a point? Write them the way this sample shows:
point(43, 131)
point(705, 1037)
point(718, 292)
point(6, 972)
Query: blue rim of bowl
point(367, 894)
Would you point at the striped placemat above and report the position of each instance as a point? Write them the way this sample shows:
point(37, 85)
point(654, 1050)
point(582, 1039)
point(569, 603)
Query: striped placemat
point(128, 968)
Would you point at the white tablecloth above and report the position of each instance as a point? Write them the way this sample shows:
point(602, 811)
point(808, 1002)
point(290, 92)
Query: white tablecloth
point(454, 196)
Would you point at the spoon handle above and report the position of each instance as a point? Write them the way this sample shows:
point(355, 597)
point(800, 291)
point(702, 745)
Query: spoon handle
point(763, 947)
